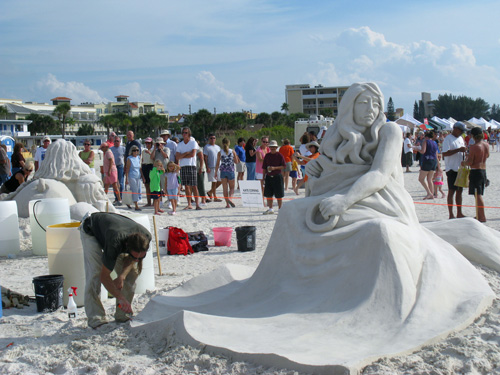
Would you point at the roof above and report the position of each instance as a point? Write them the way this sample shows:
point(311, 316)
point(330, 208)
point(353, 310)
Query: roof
point(121, 96)
point(132, 105)
point(59, 98)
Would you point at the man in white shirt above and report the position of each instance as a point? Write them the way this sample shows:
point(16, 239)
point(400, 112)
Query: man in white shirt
point(211, 153)
point(453, 153)
point(407, 153)
point(186, 158)
point(40, 152)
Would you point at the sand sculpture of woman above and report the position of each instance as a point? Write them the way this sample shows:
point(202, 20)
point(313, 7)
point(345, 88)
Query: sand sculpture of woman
point(349, 274)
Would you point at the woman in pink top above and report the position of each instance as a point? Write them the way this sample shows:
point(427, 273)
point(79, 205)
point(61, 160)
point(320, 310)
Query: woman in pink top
point(110, 172)
point(262, 150)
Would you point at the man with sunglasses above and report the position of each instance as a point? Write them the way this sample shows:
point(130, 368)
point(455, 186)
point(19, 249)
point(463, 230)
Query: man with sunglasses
point(186, 157)
point(111, 242)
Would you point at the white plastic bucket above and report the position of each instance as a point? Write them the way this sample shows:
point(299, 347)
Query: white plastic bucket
point(146, 280)
point(45, 212)
point(9, 228)
point(65, 256)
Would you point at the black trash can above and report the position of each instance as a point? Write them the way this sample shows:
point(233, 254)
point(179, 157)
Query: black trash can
point(48, 292)
point(246, 238)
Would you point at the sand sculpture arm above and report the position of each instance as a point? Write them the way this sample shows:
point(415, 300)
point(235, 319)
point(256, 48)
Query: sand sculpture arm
point(372, 181)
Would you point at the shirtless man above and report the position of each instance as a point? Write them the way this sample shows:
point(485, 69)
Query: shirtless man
point(478, 153)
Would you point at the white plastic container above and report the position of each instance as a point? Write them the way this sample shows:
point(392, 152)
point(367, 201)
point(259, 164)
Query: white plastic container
point(45, 212)
point(65, 256)
point(146, 280)
point(9, 228)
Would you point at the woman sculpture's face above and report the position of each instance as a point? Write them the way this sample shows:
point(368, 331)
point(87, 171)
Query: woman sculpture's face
point(366, 109)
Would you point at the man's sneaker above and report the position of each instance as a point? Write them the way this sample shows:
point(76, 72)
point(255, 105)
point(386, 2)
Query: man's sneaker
point(269, 212)
point(118, 203)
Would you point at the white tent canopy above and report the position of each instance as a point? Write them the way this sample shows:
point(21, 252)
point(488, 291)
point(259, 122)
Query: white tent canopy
point(409, 118)
point(494, 124)
point(448, 125)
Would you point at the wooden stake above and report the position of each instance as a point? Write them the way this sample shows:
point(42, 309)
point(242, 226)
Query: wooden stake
point(107, 205)
point(477, 208)
point(157, 247)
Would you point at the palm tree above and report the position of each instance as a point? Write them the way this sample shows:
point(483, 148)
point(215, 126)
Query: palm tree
point(285, 107)
point(61, 111)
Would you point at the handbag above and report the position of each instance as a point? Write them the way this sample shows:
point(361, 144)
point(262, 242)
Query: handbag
point(462, 179)
point(127, 198)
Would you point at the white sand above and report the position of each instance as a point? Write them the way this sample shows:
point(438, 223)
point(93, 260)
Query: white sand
point(69, 347)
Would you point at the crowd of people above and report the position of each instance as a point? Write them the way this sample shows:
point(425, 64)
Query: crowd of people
point(172, 168)
point(458, 148)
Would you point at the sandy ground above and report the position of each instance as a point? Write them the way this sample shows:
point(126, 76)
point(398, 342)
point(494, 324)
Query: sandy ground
point(69, 347)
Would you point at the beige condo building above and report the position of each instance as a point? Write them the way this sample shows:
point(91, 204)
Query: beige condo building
point(302, 98)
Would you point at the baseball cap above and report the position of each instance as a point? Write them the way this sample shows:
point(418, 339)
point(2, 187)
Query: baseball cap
point(148, 139)
point(46, 138)
point(460, 125)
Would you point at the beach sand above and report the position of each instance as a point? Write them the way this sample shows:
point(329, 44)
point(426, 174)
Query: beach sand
point(69, 347)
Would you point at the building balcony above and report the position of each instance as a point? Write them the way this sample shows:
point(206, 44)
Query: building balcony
point(320, 96)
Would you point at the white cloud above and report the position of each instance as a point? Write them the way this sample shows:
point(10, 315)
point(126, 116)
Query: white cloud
point(77, 91)
point(211, 92)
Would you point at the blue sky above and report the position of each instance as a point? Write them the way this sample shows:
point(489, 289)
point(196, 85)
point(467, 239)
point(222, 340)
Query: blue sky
point(239, 54)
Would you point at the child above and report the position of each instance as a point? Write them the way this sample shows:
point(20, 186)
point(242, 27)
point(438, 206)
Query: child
point(154, 184)
point(294, 173)
point(438, 181)
point(172, 184)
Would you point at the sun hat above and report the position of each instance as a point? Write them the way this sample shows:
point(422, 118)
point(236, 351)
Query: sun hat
point(313, 143)
point(460, 125)
point(273, 143)
point(159, 140)
point(165, 132)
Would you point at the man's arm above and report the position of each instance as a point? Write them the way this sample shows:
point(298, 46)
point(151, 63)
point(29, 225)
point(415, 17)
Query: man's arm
point(111, 287)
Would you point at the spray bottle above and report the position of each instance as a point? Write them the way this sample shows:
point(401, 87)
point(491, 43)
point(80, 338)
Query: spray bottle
point(72, 310)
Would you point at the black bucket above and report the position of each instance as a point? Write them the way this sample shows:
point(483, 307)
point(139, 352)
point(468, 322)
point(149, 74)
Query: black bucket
point(246, 238)
point(48, 292)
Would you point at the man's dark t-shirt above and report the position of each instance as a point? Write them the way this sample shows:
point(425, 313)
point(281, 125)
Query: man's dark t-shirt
point(273, 160)
point(129, 145)
point(111, 231)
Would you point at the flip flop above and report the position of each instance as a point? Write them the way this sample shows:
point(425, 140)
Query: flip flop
point(188, 208)
point(198, 208)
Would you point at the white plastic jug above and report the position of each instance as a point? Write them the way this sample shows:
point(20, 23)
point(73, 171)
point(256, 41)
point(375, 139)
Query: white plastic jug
point(65, 256)
point(9, 228)
point(45, 212)
point(146, 280)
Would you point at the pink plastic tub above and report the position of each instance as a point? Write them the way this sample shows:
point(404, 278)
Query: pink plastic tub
point(222, 236)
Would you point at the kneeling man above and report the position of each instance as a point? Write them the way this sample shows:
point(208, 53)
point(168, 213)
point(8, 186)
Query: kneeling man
point(111, 242)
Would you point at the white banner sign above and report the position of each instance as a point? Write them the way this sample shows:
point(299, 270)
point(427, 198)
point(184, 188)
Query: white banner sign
point(251, 194)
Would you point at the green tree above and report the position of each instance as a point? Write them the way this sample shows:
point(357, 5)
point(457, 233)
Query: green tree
point(61, 112)
point(85, 129)
point(416, 114)
point(239, 120)
point(3, 112)
point(391, 114)
point(42, 124)
point(108, 121)
point(202, 124)
point(460, 107)
point(495, 112)
point(285, 107)
point(277, 118)
point(263, 118)
point(327, 112)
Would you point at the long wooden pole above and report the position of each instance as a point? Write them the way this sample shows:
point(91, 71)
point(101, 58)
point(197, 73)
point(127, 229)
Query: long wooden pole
point(157, 247)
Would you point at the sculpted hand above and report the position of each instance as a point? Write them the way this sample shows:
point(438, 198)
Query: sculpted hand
point(332, 206)
point(313, 168)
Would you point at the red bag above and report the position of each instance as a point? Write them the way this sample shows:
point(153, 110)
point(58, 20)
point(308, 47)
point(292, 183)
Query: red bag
point(178, 242)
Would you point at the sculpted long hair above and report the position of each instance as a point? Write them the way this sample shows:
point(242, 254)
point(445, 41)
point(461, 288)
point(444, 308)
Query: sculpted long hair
point(344, 141)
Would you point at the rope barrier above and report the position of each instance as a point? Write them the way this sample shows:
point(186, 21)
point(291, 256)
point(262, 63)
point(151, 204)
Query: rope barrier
point(291, 199)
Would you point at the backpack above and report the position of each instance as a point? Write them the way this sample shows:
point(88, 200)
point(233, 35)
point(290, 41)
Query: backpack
point(178, 242)
point(198, 240)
